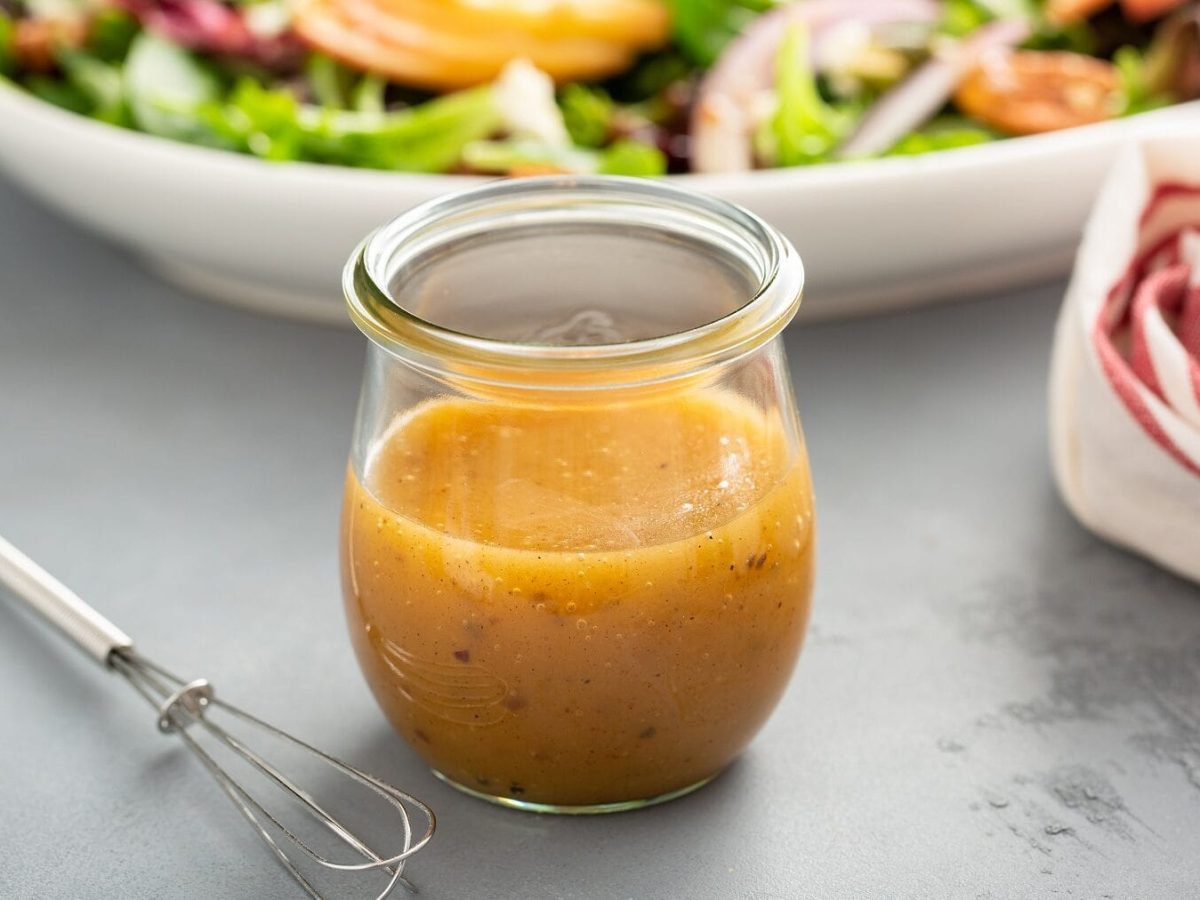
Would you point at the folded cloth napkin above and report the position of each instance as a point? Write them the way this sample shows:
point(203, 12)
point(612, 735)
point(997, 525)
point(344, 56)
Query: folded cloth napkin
point(1125, 378)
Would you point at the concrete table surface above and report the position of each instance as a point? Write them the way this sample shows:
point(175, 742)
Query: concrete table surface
point(991, 703)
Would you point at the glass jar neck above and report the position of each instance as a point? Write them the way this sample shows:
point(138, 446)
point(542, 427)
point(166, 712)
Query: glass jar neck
point(573, 284)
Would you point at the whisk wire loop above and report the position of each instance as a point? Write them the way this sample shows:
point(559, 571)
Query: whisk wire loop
point(183, 704)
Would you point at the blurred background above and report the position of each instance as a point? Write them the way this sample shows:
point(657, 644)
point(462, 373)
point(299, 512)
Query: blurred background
point(913, 149)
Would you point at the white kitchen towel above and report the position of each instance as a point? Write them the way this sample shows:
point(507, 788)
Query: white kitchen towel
point(1125, 378)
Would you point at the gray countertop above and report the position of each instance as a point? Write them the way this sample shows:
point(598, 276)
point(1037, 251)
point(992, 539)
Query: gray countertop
point(991, 703)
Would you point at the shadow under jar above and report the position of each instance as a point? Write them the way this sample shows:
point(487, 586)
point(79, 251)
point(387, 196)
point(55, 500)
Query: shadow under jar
point(577, 540)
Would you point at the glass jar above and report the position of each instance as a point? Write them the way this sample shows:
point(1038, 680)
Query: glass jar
point(577, 541)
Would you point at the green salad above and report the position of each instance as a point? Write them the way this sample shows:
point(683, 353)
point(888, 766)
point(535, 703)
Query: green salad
point(633, 87)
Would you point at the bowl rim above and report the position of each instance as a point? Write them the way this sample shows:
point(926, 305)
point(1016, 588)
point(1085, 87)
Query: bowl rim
point(16, 100)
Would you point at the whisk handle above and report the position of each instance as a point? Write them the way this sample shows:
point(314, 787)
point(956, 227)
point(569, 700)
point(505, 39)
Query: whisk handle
point(97, 636)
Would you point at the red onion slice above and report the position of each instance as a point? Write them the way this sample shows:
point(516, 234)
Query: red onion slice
point(209, 26)
point(914, 101)
point(722, 118)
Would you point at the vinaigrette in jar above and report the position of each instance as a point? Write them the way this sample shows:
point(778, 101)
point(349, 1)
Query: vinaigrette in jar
point(577, 586)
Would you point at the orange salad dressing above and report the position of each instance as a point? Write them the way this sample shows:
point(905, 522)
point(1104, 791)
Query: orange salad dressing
point(584, 605)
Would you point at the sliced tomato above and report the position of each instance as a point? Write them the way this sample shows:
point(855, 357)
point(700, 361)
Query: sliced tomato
point(1146, 10)
point(636, 23)
point(1064, 12)
point(572, 57)
point(1031, 91)
point(404, 40)
point(366, 35)
point(325, 27)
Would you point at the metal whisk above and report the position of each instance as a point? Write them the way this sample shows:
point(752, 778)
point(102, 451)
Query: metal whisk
point(184, 708)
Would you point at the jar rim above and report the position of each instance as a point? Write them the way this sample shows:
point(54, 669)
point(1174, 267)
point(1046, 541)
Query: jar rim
point(398, 330)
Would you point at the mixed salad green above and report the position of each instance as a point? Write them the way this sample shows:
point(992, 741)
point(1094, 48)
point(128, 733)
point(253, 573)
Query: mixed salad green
point(720, 85)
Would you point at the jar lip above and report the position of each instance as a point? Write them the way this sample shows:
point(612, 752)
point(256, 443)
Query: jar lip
point(396, 329)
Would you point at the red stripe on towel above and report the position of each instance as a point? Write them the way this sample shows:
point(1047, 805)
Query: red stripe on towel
point(1153, 278)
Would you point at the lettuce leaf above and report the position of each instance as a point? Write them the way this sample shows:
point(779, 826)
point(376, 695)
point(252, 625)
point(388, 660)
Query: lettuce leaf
point(703, 28)
point(164, 85)
point(961, 17)
point(111, 33)
point(100, 82)
point(1137, 95)
point(623, 157)
point(328, 80)
point(8, 63)
point(367, 96)
point(626, 157)
point(588, 113)
point(944, 133)
point(272, 124)
point(805, 128)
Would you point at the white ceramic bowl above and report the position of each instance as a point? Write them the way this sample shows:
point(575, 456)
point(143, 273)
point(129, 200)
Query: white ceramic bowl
point(271, 236)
